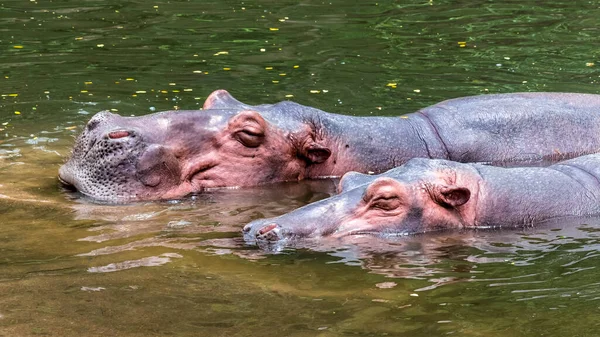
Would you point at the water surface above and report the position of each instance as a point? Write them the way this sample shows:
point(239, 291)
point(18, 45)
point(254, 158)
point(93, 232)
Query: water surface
point(70, 267)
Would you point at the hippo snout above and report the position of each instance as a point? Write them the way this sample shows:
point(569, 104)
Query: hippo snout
point(267, 235)
point(262, 231)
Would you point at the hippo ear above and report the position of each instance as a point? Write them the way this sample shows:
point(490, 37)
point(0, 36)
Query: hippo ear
point(451, 196)
point(315, 153)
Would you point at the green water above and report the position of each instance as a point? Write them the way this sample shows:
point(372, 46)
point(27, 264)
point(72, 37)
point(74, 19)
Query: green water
point(69, 267)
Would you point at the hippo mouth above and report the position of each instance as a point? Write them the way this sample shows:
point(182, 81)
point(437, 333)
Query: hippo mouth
point(64, 183)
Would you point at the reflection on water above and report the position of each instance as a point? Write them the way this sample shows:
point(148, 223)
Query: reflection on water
point(71, 267)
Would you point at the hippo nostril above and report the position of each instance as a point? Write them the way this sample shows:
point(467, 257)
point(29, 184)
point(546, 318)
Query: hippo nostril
point(267, 228)
point(247, 228)
point(118, 134)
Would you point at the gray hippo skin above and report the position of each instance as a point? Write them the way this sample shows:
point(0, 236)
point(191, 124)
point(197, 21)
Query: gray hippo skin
point(171, 154)
point(427, 195)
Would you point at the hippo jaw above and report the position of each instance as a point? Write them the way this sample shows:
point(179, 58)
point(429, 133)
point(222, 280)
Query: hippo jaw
point(408, 200)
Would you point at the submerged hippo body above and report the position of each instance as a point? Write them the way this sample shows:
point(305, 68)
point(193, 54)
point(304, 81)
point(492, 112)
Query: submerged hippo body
point(432, 194)
point(171, 154)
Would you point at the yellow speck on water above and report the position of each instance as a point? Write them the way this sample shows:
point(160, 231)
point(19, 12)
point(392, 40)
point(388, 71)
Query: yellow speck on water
point(70, 128)
point(87, 83)
point(79, 38)
point(164, 92)
point(206, 73)
point(172, 83)
point(462, 44)
point(46, 92)
point(405, 117)
point(392, 85)
point(176, 91)
point(130, 79)
point(378, 108)
point(134, 95)
point(17, 112)
point(417, 90)
point(114, 110)
point(315, 91)
point(18, 47)
point(197, 71)
point(325, 91)
point(590, 64)
point(289, 96)
point(296, 66)
point(197, 98)
point(155, 7)
point(83, 91)
point(268, 68)
point(221, 53)
point(263, 50)
point(140, 92)
point(226, 69)
point(13, 95)
point(274, 81)
point(282, 74)
point(273, 29)
point(100, 45)
point(188, 90)
point(5, 123)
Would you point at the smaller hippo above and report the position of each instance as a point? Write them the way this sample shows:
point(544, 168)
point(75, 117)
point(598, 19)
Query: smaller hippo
point(427, 195)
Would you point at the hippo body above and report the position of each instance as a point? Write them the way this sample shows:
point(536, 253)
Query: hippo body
point(231, 144)
point(432, 194)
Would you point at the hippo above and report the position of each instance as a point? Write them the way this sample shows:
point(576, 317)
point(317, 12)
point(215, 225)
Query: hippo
point(427, 195)
point(171, 154)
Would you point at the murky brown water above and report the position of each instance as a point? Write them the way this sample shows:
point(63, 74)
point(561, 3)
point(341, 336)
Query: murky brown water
point(70, 267)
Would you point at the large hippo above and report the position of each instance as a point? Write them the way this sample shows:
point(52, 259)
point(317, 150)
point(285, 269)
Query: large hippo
point(434, 194)
point(229, 144)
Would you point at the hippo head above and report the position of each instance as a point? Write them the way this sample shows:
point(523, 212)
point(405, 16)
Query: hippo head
point(422, 195)
point(171, 154)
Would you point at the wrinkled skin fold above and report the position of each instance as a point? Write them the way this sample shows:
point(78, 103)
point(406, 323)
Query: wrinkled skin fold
point(427, 195)
point(171, 154)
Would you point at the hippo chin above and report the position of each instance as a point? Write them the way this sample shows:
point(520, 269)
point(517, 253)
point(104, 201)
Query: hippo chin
point(431, 194)
point(231, 144)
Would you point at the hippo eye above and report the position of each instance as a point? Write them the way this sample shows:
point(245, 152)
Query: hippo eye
point(386, 202)
point(250, 138)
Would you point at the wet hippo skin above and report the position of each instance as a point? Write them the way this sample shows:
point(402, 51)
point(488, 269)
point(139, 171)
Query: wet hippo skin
point(426, 195)
point(171, 154)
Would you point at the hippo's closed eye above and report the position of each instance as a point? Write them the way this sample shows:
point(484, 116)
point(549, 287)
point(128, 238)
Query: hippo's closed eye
point(386, 202)
point(248, 128)
point(384, 194)
point(250, 137)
